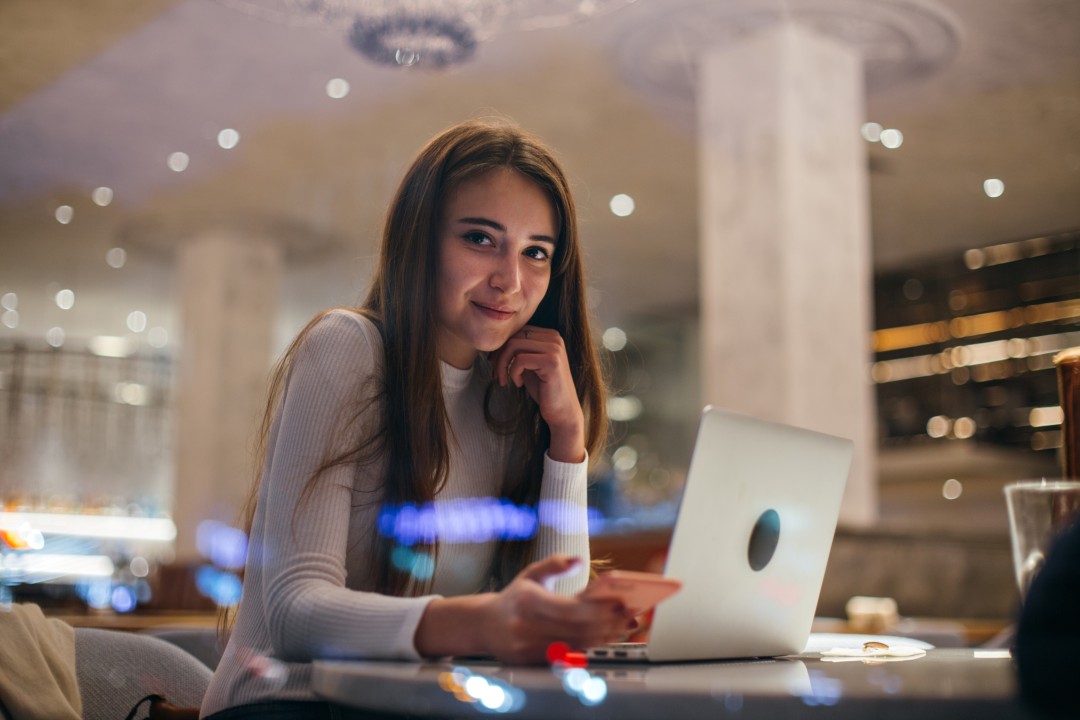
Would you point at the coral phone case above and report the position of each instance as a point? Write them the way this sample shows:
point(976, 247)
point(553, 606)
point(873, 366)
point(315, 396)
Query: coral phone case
point(638, 591)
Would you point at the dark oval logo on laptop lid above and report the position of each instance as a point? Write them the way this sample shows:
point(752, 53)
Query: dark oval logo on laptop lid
point(763, 539)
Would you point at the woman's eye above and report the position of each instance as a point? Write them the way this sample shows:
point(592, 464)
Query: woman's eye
point(477, 238)
point(537, 253)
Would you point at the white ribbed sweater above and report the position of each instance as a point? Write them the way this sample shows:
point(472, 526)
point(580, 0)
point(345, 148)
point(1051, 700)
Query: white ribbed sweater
point(307, 593)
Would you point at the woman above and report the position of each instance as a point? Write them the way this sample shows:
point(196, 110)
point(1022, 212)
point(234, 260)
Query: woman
point(468, 373)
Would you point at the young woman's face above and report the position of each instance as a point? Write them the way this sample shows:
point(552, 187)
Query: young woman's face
point(496, 244)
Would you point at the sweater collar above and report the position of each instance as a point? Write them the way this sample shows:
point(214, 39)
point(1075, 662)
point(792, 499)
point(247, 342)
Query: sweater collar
point(454, 379)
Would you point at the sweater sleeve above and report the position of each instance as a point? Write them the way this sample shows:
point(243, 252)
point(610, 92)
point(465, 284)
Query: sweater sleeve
point(564, 525)
point(304, 537)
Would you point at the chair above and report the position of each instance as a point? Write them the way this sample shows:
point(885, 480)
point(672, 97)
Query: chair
point(203, 643)
point(115, 670)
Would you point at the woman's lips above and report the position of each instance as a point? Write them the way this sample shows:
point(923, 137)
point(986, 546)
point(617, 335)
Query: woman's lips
point(495, 313)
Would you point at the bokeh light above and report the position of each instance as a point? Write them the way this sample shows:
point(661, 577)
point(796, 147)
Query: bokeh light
point(178, 161)
point(129, 393)
point(102, 196)
point(974, 259)
point(624, 458)
point(406, 58)
point(139, 566)
point(136, 321)
point(487, 695)
point(337, 88)
point(622, 205)
point(123, 599)
point(892, 138)
point(222, 544)
point(224, 588)
point(116, 257)
point(938, 426)
point(964, 428)
point(624, 409)
point(420, 565)
point(824, 690)
point(594, 691)
point(951, 489)
point(614, 339)
point(271, 671)
point(228, 138)
point(158, 337)
point(65, 299)
point(96, 593)
point(64, 214)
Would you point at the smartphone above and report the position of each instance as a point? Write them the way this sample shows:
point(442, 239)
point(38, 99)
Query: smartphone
point(637, 591)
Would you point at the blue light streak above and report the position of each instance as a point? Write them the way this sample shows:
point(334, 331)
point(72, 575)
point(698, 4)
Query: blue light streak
point(465, 520)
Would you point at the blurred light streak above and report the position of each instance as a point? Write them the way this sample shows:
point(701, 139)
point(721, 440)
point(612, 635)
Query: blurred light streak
point(910, 336)
point(1050, 440)
point(109, 346)
point(121, 527)
point(884, 371)
point(43, 567)
point(1046, 416)
point(462, 520)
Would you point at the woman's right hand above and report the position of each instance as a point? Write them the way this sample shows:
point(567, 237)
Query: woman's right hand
point(525, 618)
point(518, 624)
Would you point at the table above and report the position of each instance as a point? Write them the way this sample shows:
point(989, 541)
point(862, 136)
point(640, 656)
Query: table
point(134, 622)
point(944, 683)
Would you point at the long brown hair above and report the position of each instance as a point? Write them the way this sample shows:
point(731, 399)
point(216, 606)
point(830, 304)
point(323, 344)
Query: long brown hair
point(412, 421)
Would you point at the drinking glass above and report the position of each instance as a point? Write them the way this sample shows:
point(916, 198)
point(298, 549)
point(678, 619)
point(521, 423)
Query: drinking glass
point(1039, 510)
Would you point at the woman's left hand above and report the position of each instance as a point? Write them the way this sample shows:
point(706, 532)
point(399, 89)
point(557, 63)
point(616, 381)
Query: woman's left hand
point(536, 358)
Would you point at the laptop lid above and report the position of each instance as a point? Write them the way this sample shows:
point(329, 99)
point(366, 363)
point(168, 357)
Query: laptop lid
point(751, 540)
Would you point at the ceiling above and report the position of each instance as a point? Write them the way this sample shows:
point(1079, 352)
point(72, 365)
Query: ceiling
point(100, 94)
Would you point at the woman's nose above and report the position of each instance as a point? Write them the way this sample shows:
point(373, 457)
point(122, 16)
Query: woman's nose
point(506, 275)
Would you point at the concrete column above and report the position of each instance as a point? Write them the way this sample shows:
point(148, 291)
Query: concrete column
point(785, 256)
point(229, 291)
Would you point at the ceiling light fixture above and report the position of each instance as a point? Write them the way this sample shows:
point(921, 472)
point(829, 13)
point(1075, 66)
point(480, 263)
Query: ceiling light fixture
point(428, 33)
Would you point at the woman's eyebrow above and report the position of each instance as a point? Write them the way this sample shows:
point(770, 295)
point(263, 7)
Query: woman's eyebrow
point(486, 222)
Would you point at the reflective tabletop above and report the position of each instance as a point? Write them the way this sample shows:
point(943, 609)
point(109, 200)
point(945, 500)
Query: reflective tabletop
point(943, 683)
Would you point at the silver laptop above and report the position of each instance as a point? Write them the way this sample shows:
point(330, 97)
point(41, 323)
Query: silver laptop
point(750, 544)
